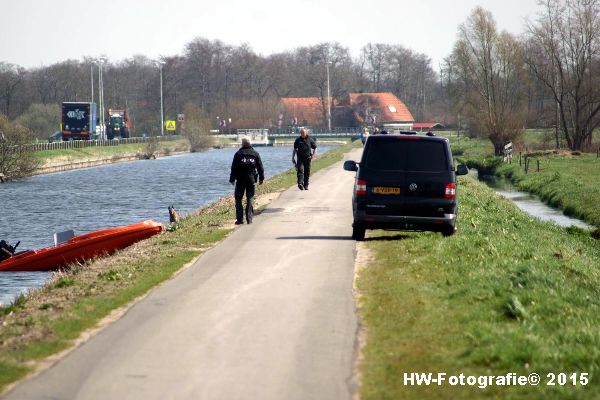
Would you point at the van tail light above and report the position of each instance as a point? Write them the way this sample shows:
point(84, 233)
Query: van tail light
point(361, 187)
point(450, 191)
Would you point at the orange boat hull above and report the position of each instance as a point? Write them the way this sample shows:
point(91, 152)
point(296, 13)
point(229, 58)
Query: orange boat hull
point(80, 248)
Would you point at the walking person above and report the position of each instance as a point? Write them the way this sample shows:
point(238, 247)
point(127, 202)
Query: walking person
point(305, 149)
point(246, 169)
point(365, 135)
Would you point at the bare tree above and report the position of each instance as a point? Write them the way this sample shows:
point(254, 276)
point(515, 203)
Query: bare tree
point(405, 73)
point(489, 77)
point(11, 78)
point(375, 56)
point(563, 52)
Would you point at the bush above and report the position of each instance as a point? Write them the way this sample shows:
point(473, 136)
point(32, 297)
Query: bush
point(15, 160)
point(197, 128)
point(41, 119)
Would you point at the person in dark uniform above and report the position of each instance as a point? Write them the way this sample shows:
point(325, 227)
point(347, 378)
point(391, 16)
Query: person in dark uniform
point(304, 150)
point(246, 168)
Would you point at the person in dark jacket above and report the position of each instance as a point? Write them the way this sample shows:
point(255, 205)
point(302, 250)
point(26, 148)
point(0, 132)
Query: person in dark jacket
point(246, 168)
point(305, 149)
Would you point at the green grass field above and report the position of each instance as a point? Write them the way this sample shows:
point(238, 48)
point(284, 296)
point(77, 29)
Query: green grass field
point(506, 293)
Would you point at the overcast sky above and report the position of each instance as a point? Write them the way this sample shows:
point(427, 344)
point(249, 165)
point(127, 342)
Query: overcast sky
point(42, 32)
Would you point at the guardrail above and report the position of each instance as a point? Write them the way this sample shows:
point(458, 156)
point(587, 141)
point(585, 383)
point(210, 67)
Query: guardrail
point(77, 144)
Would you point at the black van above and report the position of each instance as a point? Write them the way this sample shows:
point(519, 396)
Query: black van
point(405, 182)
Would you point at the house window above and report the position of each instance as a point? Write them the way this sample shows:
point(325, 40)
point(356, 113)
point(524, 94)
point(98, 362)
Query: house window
point(392, 109)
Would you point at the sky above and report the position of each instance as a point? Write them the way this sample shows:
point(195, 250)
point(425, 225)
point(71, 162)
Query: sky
point(38, 33)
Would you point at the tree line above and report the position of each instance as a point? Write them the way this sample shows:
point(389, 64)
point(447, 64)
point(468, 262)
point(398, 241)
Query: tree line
point(224, 81)
point(493, 82)
point(548, 77)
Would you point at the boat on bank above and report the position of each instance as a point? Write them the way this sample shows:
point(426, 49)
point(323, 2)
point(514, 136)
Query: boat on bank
point(80, 248)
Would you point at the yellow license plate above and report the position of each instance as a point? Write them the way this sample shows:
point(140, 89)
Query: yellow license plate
point(386, 190)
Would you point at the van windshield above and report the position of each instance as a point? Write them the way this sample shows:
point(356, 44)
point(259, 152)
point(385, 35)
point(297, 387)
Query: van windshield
point(407, 155)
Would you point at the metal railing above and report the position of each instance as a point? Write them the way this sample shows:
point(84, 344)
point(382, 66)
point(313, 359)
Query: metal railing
point(316, 131)
point(78, 144)
point(318, 135)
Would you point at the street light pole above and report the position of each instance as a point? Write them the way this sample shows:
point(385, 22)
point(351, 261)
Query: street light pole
point(101, 61)
point(92, 80)
point(328, 99)
point(162, 114)
point(99, 99)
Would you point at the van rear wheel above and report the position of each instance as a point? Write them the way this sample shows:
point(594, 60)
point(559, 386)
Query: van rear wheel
point(358, 233)
point(449, 231)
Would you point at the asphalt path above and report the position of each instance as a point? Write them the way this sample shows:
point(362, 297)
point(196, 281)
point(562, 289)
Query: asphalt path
point(268, 313)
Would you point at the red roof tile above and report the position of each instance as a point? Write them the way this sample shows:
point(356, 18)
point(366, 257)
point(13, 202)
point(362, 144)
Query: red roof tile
point(308, 110)
point(386, 106)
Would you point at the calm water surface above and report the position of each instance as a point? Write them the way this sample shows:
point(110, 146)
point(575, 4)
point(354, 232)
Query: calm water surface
point(120, 194)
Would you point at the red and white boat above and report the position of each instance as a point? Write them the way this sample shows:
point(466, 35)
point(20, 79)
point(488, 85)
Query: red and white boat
point(80, 248)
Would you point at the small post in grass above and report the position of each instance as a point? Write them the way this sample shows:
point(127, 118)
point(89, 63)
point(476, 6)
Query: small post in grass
point(520, 164)
point(538, 165)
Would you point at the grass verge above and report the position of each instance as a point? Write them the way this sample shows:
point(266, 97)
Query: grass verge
point(507, 293)
point(48, 320)
point(85, 153)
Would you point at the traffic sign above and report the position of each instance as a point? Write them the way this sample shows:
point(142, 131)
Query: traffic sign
point(170, 125)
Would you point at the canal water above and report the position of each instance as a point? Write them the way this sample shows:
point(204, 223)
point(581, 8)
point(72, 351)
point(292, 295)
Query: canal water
point(531, 204)
point(86, 200)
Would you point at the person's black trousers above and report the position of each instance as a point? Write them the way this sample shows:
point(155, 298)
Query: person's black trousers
point(303, 171)
point(240, 189)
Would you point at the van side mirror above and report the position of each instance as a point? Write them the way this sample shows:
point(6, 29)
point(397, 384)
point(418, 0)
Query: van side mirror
point(350, 165)
point(462, 169)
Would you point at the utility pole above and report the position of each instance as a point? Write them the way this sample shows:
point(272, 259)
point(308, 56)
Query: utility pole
point(328, 99)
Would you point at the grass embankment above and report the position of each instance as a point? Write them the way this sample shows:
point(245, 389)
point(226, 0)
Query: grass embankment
point(50, 319)
point(164, 147)
point(569, 181)
point(506, 293)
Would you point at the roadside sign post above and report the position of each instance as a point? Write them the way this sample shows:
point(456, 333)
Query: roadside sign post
point(170, 125)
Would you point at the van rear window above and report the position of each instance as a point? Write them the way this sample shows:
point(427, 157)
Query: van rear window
point(407, 155)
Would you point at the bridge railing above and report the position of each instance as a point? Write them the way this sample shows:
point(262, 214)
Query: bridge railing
point(315, 131)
